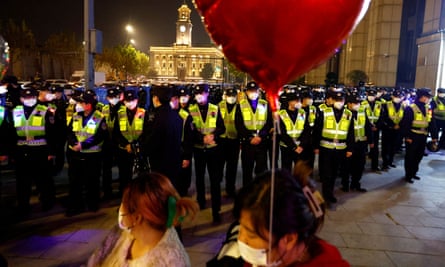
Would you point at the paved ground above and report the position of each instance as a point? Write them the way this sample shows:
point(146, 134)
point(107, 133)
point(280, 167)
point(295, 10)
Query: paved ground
point(393, 224)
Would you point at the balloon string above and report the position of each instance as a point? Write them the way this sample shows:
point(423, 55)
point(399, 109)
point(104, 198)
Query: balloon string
point(276, 123)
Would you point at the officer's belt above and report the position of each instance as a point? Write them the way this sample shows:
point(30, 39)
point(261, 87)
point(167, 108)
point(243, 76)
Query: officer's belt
point(297, 143)
point(24, 138)
point(35, 142)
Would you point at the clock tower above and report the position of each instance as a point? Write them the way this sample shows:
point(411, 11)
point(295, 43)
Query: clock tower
point(184, 27)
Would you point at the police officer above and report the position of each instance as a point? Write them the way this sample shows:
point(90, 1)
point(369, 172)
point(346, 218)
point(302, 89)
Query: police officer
point(373, 109)
point(253, 122)
point(34, 139)
point(57, 104)
point(179, 103)
point(355, 164)
point(6, 137)
point(417, 122)
point(208, 126)
point(308, 155)
point(109, 148)
point(333, 141)
point(295, 132)
point(87, 132)
point(164, 134)
point(392, 114)
point(438, 108)
point(128, 130)
point(229, 140)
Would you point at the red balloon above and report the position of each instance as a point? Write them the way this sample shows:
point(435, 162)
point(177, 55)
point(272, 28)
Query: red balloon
point(278, 41)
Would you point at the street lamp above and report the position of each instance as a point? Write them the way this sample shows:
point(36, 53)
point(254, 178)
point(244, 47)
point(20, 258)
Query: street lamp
point(129, 29)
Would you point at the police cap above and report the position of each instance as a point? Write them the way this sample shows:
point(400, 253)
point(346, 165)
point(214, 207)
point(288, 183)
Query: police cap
point(183, 91)
point(130, 95)
point(293, 95)
point(423, 92)
point(113, 92)
point(252, 86)
point(28, 92)
point(441, 90)
point(353, 97)
point(371, 91)
point(230, 92)
point(201, 88)
point(87, 98)
point(397, 93)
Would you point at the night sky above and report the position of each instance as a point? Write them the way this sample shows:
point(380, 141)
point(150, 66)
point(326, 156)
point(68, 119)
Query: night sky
point(154, 21)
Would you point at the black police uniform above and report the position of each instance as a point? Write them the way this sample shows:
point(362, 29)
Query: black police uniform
point(185, 174)
point(60, 105)
point(392, 114)
point(331, 159)
point(163, 138)
point(6, 137)
point(415, 149)
point(207, 120)
point(438, 108)
point(129, 129)
point(84, 166)
point(32, 153)
point(230, 141)
point(374, 115)
point(293, 121)
point(110, 149)
point(253, 157)
point(355, 164)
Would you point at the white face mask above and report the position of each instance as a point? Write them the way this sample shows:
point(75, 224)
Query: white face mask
point(79, 107)
point(379, 94)
point(72, 101)
point(131, 104)
point(29, 102)
point(252, 95)
point(298, 105)
point(371, 98)
point(231, 99)
point(120, 221)
point(397, 100)
point(113, 101)
point(200, 98)
point(50, 97)
point(254, 256)
point(441, 95)
point(184, 99)
point(338, 105)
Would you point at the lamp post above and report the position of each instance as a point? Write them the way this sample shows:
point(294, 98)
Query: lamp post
point(130, 30)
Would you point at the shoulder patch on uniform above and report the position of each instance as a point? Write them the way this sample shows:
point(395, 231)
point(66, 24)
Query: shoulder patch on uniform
point(103, 125)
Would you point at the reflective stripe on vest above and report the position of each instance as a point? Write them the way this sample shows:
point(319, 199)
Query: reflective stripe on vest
point(132, 131)
point(209, 125)
point(31, 127)
point(83, 133)
point(294, 130)
point(373, 113)
point(359, 125)
point(183, 114)
point(420, 121)
point(439, 111)
point(229, 120)
point(69, 113)
point(312, 115)
point(254, 121)
point(395, 116)
point(334, 134)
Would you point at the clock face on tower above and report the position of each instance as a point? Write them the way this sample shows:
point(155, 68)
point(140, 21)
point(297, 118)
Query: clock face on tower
point(182, 28)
